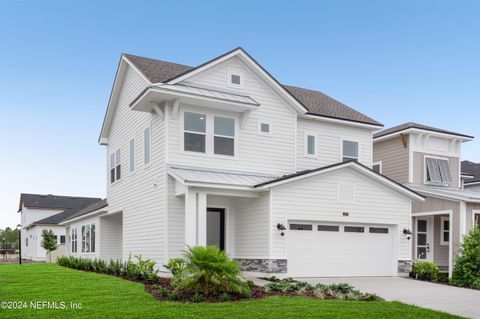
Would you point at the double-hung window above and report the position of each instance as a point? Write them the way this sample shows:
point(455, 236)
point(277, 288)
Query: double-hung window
point(73, 240)
point(224, 136)
point(444, 231)
point(115, 166)
point(195, 131)
point(437, 171)
point(88, 238)
point(209, 134)
point(349, 151)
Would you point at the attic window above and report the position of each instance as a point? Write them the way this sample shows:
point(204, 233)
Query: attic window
point(235, 78)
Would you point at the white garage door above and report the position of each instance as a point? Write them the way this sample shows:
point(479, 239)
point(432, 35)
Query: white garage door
point(339, 250)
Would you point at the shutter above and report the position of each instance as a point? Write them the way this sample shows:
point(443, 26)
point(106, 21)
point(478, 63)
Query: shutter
point(433, 170)
point(444, 170)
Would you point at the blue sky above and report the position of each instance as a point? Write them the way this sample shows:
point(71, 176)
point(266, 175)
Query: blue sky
point(396, 61)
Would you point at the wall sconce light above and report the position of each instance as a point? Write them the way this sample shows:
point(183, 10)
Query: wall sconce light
point(408, 233)
point(282, 229)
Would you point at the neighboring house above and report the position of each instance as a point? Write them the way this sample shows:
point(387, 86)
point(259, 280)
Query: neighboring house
point(223, 154)
point(471, 171)
point(427, 160)
point(39, 212)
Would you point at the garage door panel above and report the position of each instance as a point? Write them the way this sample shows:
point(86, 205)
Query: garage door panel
point(325, 253)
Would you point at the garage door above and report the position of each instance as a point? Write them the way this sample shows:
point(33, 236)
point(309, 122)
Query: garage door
point(339, 250)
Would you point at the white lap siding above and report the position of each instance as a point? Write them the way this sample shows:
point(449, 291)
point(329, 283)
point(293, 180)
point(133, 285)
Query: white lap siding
point(141, 195)
point(316, 199)
point(111, 237)
point(329, 144)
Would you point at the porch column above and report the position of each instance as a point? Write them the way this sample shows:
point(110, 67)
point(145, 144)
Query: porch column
point(190, 218)
point(202, 219)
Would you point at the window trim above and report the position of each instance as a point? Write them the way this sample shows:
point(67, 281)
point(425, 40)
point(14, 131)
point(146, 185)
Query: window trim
point(380, 164)
point(349, 157)
point(443, 230)
point(305, 145)
point(147, 165)
point(116, 164)
point(209, 133)
point(425, 170)
point(239, 73)
point(259, 127)
point(132, 171)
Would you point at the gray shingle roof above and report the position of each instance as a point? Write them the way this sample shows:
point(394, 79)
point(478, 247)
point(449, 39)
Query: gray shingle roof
point(317, 103)
point(91, 208)
point(55, 201)
point(471, 168)
point(405, 126)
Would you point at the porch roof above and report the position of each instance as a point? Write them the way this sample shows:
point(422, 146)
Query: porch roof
point(189, 175)
point(447, 193)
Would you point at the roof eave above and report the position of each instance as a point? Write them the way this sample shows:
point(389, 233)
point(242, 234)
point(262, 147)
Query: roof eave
point(464, 138)
point(332, 119)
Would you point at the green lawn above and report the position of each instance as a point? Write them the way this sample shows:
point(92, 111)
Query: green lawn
point(104, 296)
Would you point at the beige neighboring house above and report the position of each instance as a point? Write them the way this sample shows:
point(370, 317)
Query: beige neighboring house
point(427, 160)
point(40, 212)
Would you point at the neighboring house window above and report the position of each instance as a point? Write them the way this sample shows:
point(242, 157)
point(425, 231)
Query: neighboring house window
point(74, 241)
point(147, 141)
point(264, 128)
point(115, 166)
point(62, 239)
point(437, 171)
point(349, 151)
point(235, 78)
point(224, 136)
point(444, 230)
point(55, 238)
point(377, 167)
point(26, 242)
point(132, 155)
point(310, 145)
point(195, 131)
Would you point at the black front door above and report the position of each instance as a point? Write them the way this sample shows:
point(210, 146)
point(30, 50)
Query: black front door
point(216, 227)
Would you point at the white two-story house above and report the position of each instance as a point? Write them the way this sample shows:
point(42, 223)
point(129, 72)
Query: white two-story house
point(427, 160)
point(279, 177)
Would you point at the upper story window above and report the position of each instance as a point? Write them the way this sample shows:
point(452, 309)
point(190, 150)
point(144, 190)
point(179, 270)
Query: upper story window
point(377, 167)
point(224, 136)
point(147, 141)
point(235, 78)
point(264, 128)
point(195, 131)
point(437, 171)
point(349, 151)
point(115, 166)
point(209, 134)
point(310, 145)
point(132, 155)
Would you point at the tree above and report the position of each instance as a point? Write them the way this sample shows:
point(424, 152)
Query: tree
point(48, 242)
point(466, 272)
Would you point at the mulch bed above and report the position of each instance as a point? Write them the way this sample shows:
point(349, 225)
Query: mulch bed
point(188, 295)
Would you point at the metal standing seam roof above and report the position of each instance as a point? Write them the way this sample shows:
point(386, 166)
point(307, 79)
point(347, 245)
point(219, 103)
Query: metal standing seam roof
point(195, 175)
point(208, 93)
point(409, 125)
point(453, 193)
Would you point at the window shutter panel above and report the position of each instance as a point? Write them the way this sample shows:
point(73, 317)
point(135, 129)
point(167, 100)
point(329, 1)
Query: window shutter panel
point(445, 170)
point(433, 170)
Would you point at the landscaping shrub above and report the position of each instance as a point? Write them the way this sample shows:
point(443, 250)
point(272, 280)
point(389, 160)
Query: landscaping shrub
point(343, 291)
point(288, 285)
point(466, 272)
point(175, 265)
point(424, 270)
point(208, 269)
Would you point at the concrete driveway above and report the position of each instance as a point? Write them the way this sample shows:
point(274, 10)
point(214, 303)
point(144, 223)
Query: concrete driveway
point(458, 301)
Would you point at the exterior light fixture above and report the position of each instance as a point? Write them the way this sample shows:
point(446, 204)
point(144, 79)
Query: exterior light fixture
point(282, 229)
point(407, 232)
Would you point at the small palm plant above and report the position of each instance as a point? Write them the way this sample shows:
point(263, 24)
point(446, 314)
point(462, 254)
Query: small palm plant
point(209, 270)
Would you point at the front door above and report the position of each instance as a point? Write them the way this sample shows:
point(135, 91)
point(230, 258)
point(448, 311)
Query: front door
point(424, 238)
point(216, 227)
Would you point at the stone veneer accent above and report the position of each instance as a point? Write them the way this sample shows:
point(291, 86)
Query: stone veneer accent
point(264, 265)
point(404, 266)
